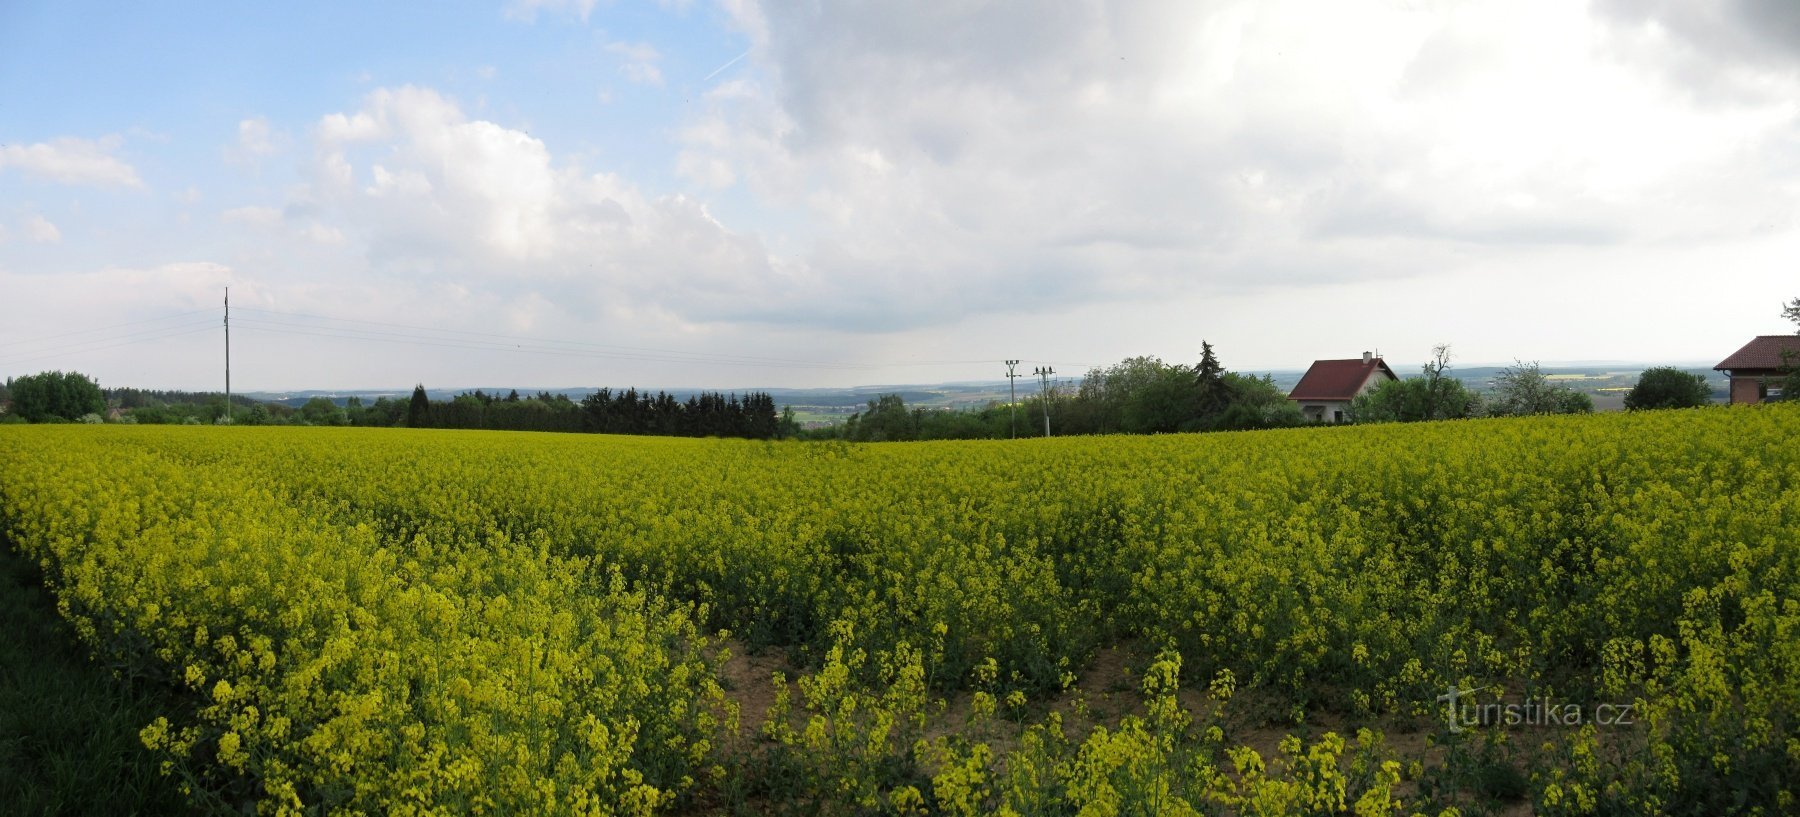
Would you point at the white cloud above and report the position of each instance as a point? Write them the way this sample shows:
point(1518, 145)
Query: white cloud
point(943, 159)
point(73, 160)
point(642, 73)
point(40, 230)
point(639, 64)
point(527, 10)
point(256, 140)
point(418, 189)
point(252, 215)
point(322, 234)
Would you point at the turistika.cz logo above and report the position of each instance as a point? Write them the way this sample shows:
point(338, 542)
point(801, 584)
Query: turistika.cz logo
point(1469, 714)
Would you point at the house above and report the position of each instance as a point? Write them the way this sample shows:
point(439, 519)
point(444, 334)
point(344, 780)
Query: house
point(1767, 358)
point(1325, 391)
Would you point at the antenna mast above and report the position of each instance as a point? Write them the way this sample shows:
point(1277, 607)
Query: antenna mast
point(228, 355)
point(1012, 385)
point(1043, 373)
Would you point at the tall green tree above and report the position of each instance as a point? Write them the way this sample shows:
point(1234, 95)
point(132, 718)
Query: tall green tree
point(56, 395)
point(1668, 387)
point(418, 412)
point(1211, 394)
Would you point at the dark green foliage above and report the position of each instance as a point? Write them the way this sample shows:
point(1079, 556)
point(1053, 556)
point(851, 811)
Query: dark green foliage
point(418, 410)
point(1414, 399)
point(153, 406)
point(321, 411)
point(708, 414)
point(68, 729)
point(1668, 387)
point(61, 395)
point(1435, 394)
point(1138, 395)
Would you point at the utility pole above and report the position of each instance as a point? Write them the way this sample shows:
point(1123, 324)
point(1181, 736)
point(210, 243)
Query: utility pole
point(1043, 373)
point(228, 355)
point(1012, 385)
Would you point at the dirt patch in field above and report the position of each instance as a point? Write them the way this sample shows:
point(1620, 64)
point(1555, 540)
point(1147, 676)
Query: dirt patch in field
point(749, 682)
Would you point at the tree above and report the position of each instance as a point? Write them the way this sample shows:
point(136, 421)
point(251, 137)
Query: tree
point(887, 419)
point(1256, 402)
point(1161, 405)
point(1668, 387)
point(1435, 394)
point(1212, 395)
point(1524, 389)
point(1790, 384)
point(418, 412)
point(320, 411)
point(1445, 396)
point(59, 395)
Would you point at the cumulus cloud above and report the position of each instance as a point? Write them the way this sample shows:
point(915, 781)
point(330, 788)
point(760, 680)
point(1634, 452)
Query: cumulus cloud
point(639, 62)
point(256, 140)
point(252, 215)
point(894, 170)
point(40, 230)
point(527, 10)
point(73, 160)
point(421, 190)
point(949, 159)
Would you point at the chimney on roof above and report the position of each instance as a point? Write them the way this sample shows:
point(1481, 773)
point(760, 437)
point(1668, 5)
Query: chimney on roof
point(1367, 357)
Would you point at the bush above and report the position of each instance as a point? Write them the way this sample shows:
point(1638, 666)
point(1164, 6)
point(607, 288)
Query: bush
point(1668, 387)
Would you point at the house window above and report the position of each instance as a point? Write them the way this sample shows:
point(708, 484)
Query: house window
point(1337, 416)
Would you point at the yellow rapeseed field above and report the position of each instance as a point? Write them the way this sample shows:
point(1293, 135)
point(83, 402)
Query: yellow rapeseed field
point(422, 622)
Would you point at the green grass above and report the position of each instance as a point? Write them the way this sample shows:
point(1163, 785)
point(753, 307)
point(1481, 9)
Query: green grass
point(68, 729)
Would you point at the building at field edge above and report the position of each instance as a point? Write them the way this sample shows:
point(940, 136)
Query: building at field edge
point(1325, 391)
point(1757, 369)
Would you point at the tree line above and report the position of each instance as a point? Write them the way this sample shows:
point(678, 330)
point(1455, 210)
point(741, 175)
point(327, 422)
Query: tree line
point(707, 414)
point(1138, 395)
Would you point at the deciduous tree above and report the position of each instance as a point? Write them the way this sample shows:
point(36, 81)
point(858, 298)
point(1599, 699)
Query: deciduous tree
point(1668, 387)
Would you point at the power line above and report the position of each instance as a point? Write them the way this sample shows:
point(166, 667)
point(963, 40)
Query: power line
point(708, 357)
point(376, 336)
point(171, 332)
point(524, 343)
point(35, 339)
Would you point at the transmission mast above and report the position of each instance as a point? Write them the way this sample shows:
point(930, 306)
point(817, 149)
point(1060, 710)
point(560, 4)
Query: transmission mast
point(1012, 385)
point(1043, 373)
point(228, 355)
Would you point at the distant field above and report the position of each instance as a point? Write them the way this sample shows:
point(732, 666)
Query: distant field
point(379, 620)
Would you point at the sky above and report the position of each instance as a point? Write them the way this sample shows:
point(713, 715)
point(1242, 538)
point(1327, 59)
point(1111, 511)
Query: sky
point(743, 193)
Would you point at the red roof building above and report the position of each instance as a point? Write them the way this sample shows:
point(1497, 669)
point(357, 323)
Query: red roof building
point(1325, 391)
point(1764, 359)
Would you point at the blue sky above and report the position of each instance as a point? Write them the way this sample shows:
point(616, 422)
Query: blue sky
point(740, 193)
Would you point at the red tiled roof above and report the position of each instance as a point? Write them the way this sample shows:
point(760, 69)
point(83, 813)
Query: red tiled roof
point(1337, 379)
point(1763, 353)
